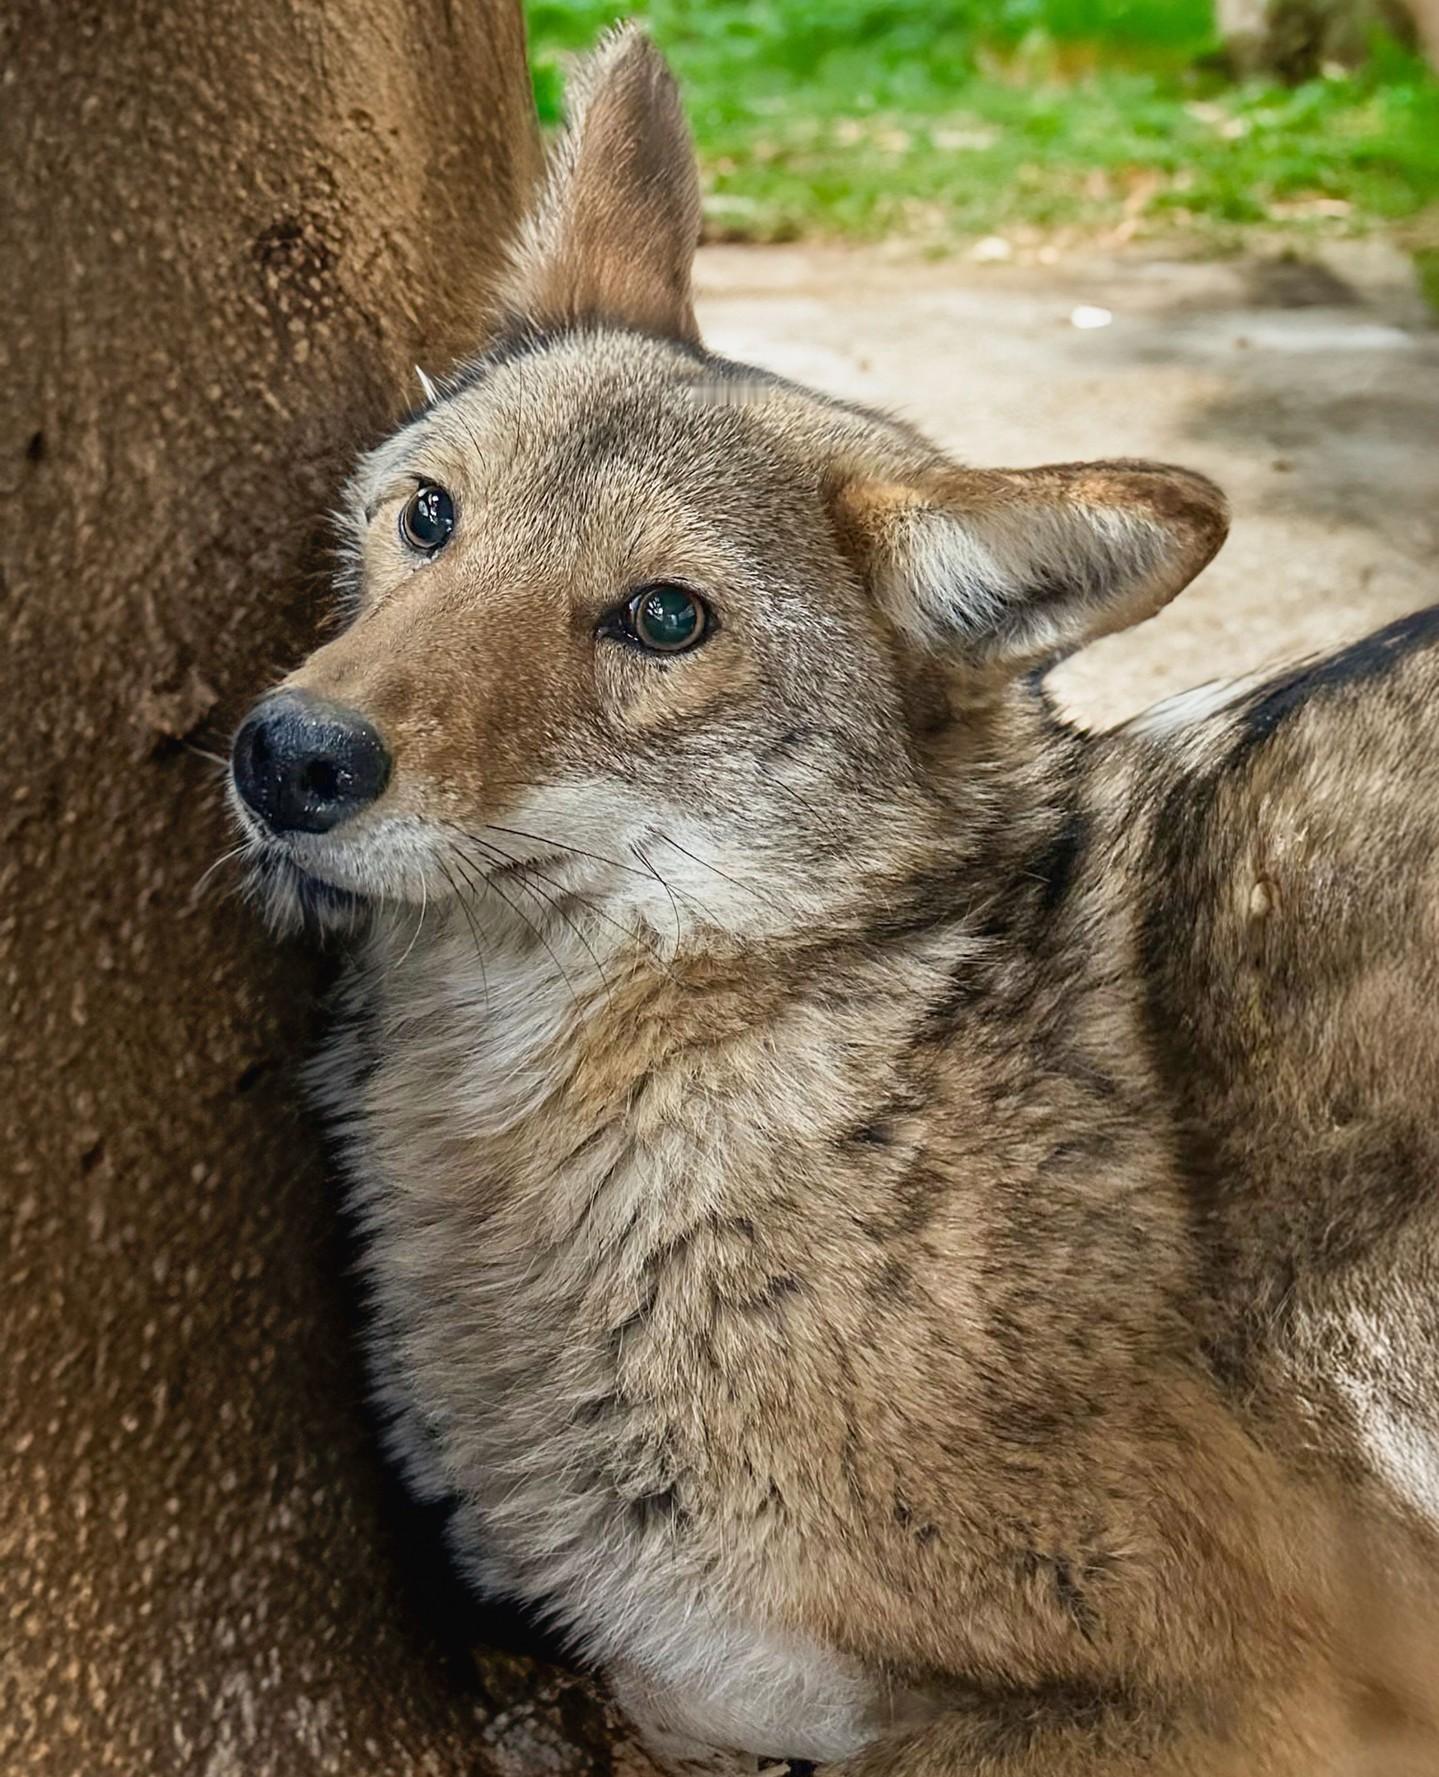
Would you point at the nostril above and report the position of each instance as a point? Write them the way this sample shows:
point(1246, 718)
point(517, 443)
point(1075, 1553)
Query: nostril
point(321, 779)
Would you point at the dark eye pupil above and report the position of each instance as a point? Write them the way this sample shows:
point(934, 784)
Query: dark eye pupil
point(668, 618)
point(428, 519)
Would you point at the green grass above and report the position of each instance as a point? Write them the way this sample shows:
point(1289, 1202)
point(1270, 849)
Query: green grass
point(1033, 119)
point(1426, 272)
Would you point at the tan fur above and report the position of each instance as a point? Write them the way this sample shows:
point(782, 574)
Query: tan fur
point(614, 234)
point(905, 1229)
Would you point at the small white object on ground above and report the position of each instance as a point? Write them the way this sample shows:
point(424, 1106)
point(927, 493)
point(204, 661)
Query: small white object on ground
point(1087, 316)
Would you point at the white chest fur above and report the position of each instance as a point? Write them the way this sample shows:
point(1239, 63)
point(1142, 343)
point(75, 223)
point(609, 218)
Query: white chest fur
point(514, 1226)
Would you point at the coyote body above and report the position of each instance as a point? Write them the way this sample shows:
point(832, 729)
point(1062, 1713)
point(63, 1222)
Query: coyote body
point(1035, 1287)
point(906, 1229)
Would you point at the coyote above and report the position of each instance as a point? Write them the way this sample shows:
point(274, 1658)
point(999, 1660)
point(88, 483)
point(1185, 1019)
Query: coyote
point(906, 1229)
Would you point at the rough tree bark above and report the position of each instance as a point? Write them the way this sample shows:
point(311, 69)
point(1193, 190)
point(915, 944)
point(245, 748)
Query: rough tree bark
point(229, 230)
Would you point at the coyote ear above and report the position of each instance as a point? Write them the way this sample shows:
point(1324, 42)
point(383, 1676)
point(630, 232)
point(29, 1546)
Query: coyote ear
point(613, 236)
point(1013, 566)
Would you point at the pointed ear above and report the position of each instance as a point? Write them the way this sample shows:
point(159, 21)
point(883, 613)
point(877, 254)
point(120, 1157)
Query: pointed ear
point(1013, 566)
point(614, 234)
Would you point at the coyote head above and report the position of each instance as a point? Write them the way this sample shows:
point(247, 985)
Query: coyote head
point(669, 629)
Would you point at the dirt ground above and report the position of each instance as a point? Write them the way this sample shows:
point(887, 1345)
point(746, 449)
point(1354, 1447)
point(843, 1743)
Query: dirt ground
point(1310, 392)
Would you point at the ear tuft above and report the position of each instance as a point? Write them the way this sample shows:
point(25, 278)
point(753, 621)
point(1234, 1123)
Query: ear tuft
point(1016, 566)
point(613, 237)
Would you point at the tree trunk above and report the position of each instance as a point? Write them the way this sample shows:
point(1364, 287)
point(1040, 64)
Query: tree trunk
point(1426, 23)
point(229, 231)
point(1293, 39)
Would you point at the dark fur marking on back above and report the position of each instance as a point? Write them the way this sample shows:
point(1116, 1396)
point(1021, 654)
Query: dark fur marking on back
point(1070, 1595)
point(1058, 865)
point(1369, 658)
point(879, 1134)
point(892, 1282)
point(912, 1206)
point(929, 901)
point(773, 1292)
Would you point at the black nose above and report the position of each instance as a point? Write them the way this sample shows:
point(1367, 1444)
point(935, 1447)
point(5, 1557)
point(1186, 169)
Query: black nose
point(304, 764)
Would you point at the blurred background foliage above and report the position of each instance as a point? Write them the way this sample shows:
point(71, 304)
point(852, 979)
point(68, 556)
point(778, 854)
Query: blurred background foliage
point(1016, 125)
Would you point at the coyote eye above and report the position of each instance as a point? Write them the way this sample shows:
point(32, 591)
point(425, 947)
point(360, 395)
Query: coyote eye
point(428, 519)
point(666, 619)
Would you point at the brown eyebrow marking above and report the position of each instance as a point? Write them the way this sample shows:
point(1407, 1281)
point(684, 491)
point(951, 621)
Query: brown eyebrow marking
point(375, 505)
